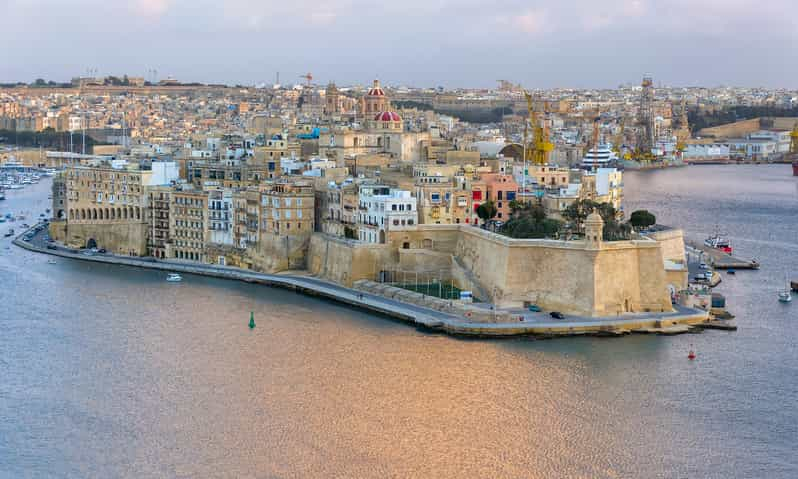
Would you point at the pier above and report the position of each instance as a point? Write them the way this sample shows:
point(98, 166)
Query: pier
point(720, 260)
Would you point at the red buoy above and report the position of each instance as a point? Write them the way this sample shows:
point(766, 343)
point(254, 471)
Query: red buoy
point(691, 354)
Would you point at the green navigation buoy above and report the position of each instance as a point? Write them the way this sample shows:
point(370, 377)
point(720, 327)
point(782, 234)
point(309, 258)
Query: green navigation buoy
point(251, 320)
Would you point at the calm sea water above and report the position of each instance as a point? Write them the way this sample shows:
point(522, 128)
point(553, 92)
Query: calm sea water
point(112, 372)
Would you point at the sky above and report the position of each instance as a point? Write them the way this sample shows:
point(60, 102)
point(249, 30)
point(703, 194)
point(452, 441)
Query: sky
point(451, 43)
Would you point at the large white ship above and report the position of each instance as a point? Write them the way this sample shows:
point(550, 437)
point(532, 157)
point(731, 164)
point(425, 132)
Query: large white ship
point(600, 157)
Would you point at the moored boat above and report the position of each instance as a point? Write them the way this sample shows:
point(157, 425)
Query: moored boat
point(174, 278)
point(719, 242)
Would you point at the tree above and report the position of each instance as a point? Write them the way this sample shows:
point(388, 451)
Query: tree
point(642, 219)
point(486, 211)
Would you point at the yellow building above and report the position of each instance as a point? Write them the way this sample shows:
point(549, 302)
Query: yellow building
point(287, 208)
point(434, 187)
point(105, 208)
point(187, 224)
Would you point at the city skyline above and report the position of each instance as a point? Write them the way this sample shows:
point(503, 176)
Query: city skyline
point(573, 44)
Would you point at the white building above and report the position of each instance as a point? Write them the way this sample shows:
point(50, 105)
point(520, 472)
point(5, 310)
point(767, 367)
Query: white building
point(220, 217)
point(383, 209)
point(163, 173)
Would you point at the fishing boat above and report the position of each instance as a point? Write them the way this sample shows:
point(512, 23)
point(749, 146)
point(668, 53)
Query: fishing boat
point(719, 242)
point(174, 278)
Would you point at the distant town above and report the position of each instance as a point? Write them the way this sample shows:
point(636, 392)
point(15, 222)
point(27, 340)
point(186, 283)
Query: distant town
point(503, 196)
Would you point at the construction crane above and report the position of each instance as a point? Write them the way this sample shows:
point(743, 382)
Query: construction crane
point(794, 141)
point(308, 78)
point(538, 150)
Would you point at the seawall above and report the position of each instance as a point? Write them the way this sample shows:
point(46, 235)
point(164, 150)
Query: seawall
point(411, 313)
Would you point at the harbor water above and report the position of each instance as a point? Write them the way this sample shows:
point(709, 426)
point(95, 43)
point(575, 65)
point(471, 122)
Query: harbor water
point(109, 371)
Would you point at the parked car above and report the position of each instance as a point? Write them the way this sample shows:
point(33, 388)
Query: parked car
point(557, 315)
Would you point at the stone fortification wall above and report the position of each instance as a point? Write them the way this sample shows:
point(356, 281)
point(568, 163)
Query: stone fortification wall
point(275, 253)
point(345, 261)
point(672, 243)
point(737, 129)
point(572, 277)
point(616, 277)
point(119, 238)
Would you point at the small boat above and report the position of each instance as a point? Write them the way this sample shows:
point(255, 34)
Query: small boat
point(9, 233)
point(785, 295)
point(731, 271)
point(719, 242)
point(794, 286)
point(51, 261)
point(174, 278)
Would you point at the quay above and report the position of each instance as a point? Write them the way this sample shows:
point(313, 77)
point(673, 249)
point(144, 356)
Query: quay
point(683, 319)
point(720, 260)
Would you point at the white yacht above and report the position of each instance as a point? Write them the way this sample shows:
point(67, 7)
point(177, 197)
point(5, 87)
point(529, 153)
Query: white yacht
point(174, 278)
point(600, 157)
point(785, 295)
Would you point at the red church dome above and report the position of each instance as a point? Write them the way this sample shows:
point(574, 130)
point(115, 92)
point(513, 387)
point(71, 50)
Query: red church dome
point(388, 116)
point(376, 90)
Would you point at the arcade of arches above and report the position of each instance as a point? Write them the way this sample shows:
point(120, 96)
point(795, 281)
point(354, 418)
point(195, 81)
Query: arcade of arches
point(118, 213)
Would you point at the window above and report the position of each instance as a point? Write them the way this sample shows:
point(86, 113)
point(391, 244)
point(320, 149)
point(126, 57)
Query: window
point(510, 195)
point(393, 207)
point(288, 214)
point(499, 195)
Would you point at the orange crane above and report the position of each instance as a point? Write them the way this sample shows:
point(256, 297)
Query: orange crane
point(308, 78)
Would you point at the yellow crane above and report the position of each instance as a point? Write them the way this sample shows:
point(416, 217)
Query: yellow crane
point(794, 140)
point(538, 150)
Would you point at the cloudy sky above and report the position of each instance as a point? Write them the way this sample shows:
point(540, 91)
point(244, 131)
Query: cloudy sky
point(569, 43)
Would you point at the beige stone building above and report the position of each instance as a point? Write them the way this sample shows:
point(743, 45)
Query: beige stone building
point(287, 207)
point(105, 208)
point(188, 223)
point(159, 201)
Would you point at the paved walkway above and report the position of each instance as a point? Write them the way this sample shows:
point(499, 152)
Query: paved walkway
point(534, 323)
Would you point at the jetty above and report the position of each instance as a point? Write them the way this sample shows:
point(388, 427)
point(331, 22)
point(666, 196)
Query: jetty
point(721, 260)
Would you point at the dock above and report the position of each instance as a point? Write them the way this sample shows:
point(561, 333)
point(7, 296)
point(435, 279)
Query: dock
point(720, 260)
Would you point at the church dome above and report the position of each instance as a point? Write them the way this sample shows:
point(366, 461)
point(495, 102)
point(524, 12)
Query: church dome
point(376, 89)
point(388, 116)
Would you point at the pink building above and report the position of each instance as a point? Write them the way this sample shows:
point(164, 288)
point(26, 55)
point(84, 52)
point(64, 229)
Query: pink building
point(501, 189)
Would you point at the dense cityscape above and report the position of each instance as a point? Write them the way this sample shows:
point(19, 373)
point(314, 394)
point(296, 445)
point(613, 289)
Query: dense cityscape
point(155, 232)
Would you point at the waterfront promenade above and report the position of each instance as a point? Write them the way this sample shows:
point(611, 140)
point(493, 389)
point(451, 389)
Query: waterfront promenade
point(539, 324)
